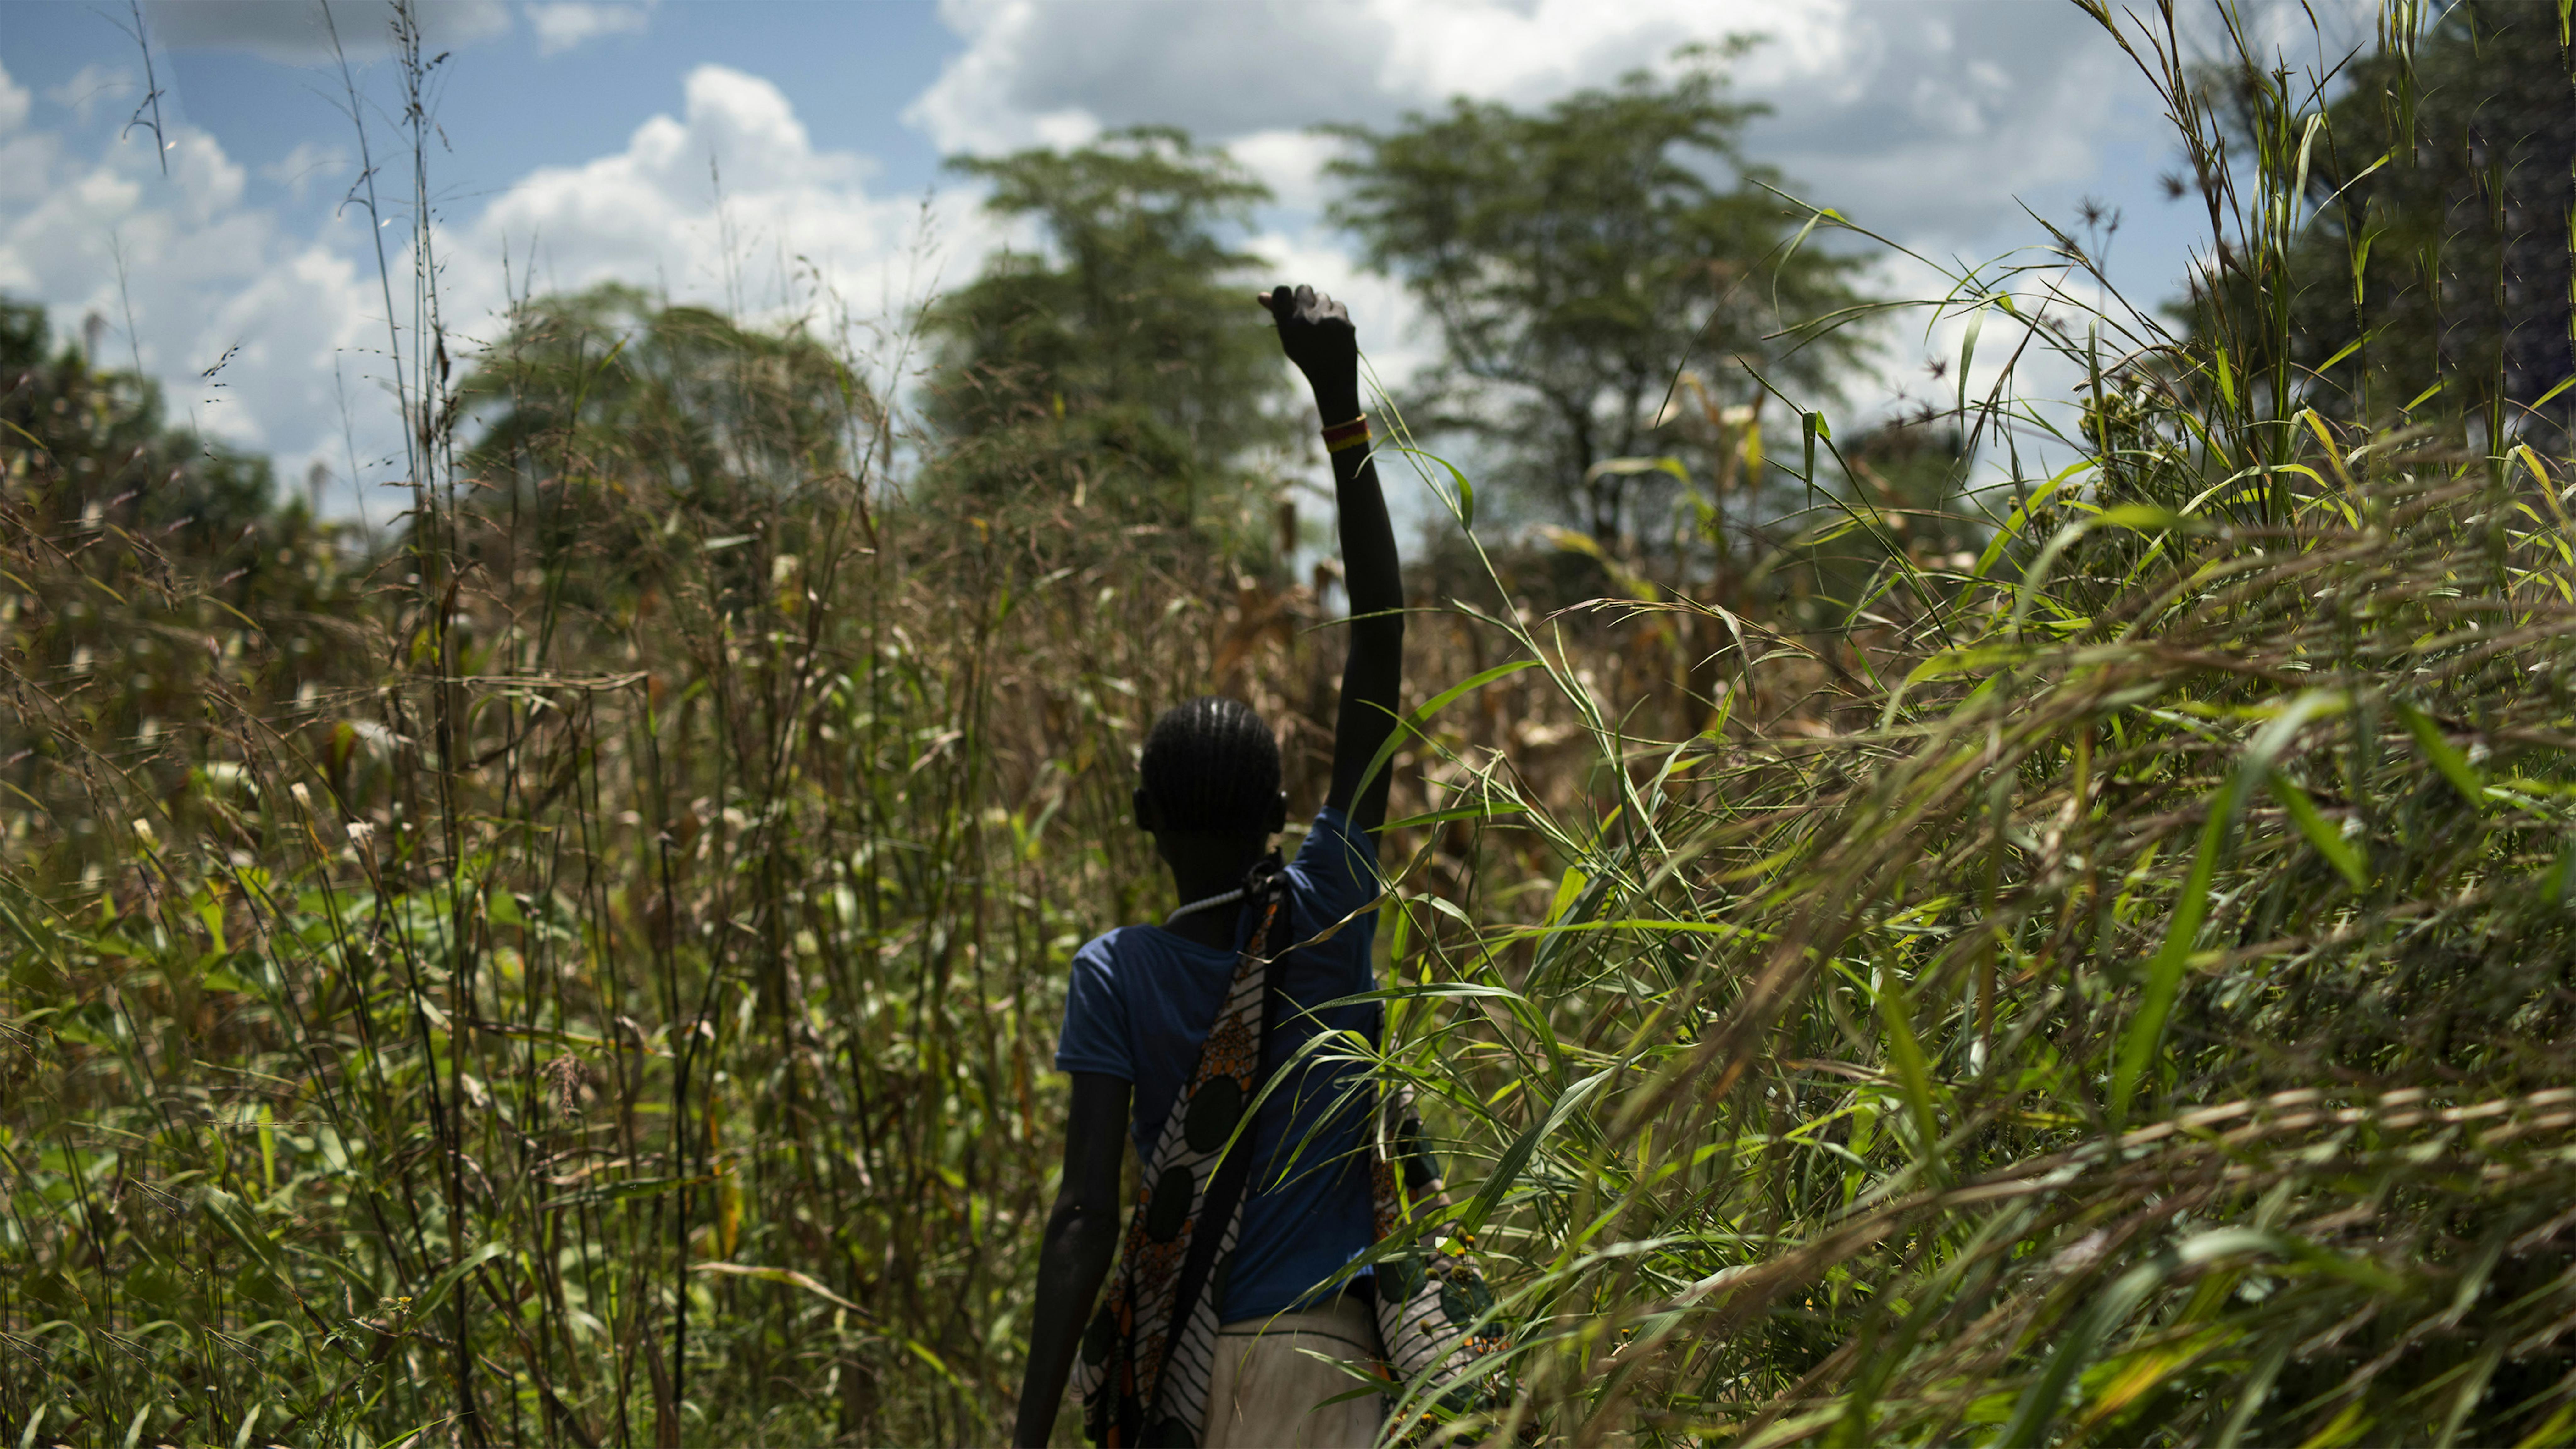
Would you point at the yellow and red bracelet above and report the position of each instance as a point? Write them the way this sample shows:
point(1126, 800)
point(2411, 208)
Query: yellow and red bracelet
point(1353, 434)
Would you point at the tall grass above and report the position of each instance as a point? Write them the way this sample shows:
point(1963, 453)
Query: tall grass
point(601, 989)
point(2128, 1001)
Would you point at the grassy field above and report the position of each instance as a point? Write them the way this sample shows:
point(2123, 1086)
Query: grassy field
point(586, 973)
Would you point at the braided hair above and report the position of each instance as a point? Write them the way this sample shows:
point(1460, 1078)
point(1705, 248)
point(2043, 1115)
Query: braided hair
point(1211, 766)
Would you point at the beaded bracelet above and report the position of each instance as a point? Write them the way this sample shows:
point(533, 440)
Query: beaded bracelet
point(1353, 434)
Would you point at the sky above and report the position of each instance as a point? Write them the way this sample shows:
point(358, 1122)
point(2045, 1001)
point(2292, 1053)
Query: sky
point(747, 152)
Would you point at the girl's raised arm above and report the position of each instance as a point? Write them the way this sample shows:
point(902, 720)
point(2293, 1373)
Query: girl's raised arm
point(1316, 333)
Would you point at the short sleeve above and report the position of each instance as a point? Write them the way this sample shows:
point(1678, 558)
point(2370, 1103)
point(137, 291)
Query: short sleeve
point(1339, 864)
point(1095, 1018)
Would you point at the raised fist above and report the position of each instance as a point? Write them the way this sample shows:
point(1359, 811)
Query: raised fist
point(1315, 332)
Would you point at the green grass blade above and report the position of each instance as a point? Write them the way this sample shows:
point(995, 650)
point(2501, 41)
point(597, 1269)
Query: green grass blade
point(2455, 767)
point(2327, 840)
point(1896, 1010)
point(1409, 724)
point(2164, 970)
point(1508, 1167)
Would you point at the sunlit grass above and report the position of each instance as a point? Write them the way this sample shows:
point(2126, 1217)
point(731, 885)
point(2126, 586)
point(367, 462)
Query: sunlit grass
point(2111, 991)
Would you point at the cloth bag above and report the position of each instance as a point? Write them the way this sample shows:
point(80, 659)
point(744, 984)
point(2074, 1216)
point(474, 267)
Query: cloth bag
point(1430, 1294)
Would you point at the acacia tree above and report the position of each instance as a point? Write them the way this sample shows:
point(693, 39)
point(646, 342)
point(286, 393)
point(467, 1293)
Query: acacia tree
point(144, 570)
point(608, 421)
point(1577, 258)
point(2442, 177)
point(1125, 360)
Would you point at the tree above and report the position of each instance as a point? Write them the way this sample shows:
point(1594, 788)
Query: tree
point(607, 420)
point(2442, 180)
point(96, 448)
point(145, 575)
point(1127, 362)
point(1577, 259)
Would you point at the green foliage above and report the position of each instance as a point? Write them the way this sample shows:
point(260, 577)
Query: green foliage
point(2440, 179)
point(1128, 361)
point(606, 422)
point(2111, 989)
point(146, 574)
point(612, 1006)
point(99, 445)
point(1577, 259)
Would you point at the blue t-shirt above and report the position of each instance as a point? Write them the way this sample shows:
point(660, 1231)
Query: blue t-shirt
point(1141, 1004)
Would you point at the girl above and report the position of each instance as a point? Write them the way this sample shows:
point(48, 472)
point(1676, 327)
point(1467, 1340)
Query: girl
point(1209, 1333)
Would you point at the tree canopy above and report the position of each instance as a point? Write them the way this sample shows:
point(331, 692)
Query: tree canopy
point(608, 419)
point(1126, 359)
point(683, 399)
point(1577, 258)
point(139, 563)
point(2441, 176)
point(96, 444)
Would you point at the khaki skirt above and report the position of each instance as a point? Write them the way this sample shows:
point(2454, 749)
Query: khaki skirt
point(1268, 1388)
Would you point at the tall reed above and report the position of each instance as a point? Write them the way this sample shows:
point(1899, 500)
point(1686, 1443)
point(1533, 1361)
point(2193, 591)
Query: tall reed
point(599, 989)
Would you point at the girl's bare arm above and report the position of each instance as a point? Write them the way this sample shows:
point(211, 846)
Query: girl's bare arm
point(1316, 333)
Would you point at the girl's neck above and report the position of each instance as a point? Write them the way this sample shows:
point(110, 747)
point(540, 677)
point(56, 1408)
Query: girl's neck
point(1203, 868)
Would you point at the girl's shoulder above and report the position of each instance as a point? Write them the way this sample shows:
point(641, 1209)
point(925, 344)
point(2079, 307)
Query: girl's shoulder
point(1108, 948)
point(1336, 866)
point(1141, 948)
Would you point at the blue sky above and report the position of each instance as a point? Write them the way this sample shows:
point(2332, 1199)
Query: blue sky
point(508, 105)
point(579, 138)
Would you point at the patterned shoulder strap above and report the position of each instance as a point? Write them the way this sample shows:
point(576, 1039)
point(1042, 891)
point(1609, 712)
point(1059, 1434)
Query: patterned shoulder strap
point(1147, 1356)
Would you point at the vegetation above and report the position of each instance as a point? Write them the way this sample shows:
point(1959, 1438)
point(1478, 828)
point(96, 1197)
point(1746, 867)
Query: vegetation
point(1125, 365)
point(597, 413)
point(1577, 260)
point(214, 586)
point(2441, 176)
point(2111, 987)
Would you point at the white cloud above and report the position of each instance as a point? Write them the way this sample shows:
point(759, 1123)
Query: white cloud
point(1926, 116)
point(203, 275)
point(1221, 69)
point(14, 103)
point(567, 24)
point(1065, 129)
point(310, 162)
point(298, 32)
point(1290, 163)
point(88, 86)
point(728, 202)
point(24, 161)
